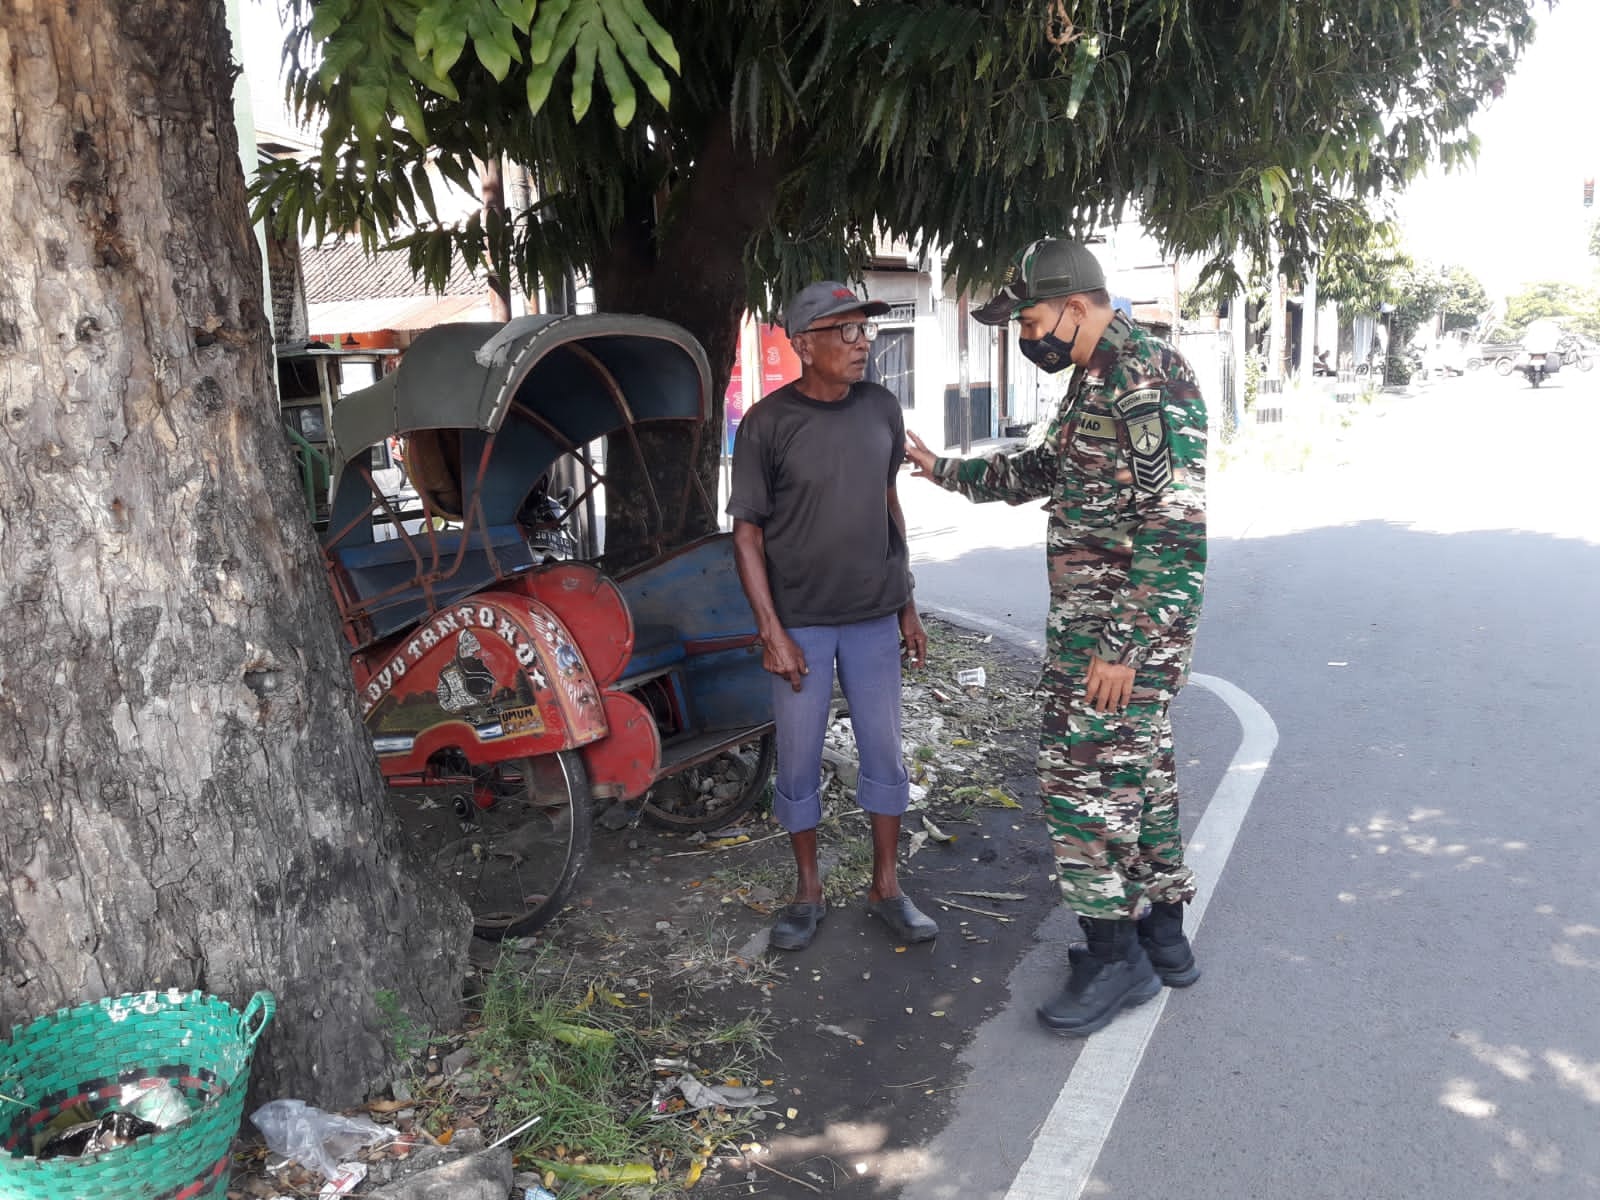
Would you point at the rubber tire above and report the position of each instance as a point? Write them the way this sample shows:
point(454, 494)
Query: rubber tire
point(766, 756)
point(577, 859)
point(1584, 362)
point(1503, 365)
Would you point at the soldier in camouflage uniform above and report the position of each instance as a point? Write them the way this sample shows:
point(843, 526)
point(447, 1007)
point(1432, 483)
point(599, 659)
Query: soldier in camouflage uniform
point(1122, 466)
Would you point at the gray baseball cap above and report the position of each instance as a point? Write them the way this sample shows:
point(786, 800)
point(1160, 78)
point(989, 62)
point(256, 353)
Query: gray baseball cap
point(817, 300)
point(1049, 267)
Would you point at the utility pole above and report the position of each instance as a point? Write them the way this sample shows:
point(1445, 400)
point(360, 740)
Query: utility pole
point(1002, 375)
point(963, 358)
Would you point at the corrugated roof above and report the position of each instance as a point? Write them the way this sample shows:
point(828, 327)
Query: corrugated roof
point(330, 320)
point(342, 271)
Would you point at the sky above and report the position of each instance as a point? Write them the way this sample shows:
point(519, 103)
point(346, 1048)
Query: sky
point(1517, 217)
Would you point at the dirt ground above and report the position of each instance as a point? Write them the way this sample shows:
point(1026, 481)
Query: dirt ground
point(864, 1030)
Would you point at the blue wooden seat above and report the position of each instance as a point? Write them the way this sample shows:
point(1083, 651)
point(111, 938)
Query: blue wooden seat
point(654, 647)
point(373, 569)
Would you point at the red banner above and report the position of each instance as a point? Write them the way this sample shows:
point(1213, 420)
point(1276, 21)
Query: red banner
point(779, 363)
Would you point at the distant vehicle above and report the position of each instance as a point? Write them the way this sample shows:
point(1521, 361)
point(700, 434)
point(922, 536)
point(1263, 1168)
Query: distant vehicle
point(1451, 355)
point(1536, 368)
point(1499, 355)
point(1575, 352)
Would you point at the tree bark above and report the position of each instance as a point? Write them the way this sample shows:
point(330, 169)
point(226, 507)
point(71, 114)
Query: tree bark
point(190, 797)
point(690, 271)
point(492, 183)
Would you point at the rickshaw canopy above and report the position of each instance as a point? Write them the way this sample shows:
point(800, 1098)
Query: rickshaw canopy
point(570, 379)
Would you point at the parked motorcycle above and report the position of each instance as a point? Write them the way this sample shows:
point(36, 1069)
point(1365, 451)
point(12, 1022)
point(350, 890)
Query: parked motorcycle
point(1373, 364)
point(1574, 353)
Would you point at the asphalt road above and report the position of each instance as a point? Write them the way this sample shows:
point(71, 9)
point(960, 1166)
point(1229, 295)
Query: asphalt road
point(1402, 950)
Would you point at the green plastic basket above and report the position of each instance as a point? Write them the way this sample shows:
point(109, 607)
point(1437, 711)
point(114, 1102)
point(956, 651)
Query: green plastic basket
point(86, 1055)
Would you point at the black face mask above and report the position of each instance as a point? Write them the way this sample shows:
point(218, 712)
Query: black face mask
point(1050, 353)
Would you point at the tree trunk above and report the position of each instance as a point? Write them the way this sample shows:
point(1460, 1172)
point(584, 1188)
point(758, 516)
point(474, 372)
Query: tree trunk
point(690, 271)
point(492, 184)
point(190, 800)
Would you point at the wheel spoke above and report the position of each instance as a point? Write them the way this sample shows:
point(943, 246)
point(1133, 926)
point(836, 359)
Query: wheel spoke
point(509, 839)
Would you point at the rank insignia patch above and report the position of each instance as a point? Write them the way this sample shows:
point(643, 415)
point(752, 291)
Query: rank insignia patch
point(1149, 452)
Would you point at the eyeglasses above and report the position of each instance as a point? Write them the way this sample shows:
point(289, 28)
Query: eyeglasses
point(850, 331)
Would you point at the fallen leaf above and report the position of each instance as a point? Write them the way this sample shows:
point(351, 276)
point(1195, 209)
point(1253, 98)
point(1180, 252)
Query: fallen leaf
point(600, 1173)
point(837, 1032)
point(580, 1035)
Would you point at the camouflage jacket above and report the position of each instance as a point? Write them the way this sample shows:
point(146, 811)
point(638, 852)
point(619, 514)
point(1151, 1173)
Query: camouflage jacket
point(1128, 553)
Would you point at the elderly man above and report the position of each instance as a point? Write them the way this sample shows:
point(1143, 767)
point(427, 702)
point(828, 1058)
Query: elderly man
point(1122, 466)
point(820, 544)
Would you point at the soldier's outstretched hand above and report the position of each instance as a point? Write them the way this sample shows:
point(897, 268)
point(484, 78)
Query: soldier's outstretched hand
point(1108, 686)
point(919, 456)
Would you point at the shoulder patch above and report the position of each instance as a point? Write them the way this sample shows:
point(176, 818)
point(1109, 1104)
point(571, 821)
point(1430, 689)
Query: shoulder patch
point(1149, 448)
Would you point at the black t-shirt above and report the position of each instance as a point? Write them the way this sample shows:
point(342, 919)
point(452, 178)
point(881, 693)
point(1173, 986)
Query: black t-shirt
point(815, 476)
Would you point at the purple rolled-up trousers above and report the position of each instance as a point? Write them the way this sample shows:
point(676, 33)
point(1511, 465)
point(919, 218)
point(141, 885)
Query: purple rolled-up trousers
point(866, 655)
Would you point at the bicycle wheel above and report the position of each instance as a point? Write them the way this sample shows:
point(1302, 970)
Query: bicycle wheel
point(511, 841)
point(713, 793)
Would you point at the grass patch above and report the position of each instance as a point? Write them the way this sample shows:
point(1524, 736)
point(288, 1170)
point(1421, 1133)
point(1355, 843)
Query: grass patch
point(852, 874)
point(756, 875)
point(583, 1054)
point(404, 1035)
point(708, 959)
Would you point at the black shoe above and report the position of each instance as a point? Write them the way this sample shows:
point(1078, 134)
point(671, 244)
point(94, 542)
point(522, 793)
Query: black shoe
point(797, 925)
point(1161, 935)
point(909, 922)
point(1173, 960)
point(1113, 975)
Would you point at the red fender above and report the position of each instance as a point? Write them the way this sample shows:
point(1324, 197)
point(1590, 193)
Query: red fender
point(497, 676)
point(625, 763)
point(592, 607)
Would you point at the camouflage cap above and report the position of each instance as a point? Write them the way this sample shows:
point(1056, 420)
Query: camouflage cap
point(1049, 267)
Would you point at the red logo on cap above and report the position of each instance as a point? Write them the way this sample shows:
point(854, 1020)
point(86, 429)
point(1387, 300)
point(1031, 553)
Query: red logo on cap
point(844, 294)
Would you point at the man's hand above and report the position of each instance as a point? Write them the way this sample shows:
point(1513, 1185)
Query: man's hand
point(1108, 686)
point(919, 456)
point(913, 637)
point(782, 655)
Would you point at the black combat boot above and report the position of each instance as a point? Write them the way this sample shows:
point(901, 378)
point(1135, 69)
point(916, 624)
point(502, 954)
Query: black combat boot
point(1161, 935)
point(1113, 975)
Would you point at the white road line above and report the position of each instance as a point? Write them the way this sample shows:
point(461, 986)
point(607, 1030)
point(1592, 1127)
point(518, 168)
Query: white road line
point(1070, 1140)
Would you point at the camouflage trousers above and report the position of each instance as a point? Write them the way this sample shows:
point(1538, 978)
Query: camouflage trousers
point(1109, 784)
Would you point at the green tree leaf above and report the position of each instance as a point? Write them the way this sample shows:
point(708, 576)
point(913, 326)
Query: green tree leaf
point(369, 106)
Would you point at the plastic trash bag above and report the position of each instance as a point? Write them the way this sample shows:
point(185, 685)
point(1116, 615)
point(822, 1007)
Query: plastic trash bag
point(314, 1138)
point(162, 1105)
